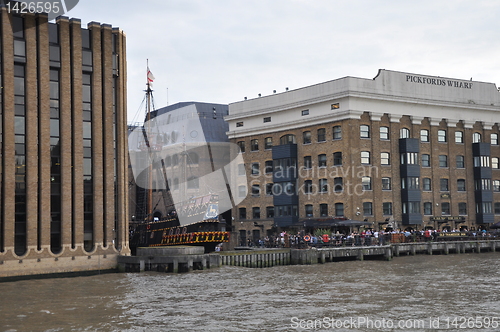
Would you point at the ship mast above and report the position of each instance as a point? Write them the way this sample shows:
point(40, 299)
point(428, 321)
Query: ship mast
point(149, 93)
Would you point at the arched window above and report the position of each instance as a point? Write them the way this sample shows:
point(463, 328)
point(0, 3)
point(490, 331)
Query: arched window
point(404, 133)
point(476, 137)
point(287, 139)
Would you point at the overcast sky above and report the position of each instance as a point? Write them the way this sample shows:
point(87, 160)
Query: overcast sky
point(221, 51)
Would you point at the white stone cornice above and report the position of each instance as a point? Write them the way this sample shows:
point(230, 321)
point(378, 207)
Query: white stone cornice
point(376, 116)
point(452, 123)
point(468, 124)
point(395, 118)
point(435, 121)
point(417, 120)
point(488, 125)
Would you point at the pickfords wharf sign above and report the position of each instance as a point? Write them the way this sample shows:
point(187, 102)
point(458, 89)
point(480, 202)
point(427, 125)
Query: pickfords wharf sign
point(438, 81)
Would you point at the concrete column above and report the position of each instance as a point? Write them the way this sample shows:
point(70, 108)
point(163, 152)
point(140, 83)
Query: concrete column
point(360, 255)
point(478, 247)
point(429, 248)
point(322, 259)
point(413, 249)
point(175, 266)
point(446, 250)
point(388, 253)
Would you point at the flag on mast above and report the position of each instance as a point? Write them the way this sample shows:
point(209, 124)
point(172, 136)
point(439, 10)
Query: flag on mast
point(150, 77)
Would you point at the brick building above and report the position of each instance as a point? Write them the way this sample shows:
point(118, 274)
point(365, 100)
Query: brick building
point(399, 150)
point(63, 145)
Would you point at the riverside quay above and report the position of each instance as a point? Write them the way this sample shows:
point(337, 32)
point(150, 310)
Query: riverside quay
point(399, 151)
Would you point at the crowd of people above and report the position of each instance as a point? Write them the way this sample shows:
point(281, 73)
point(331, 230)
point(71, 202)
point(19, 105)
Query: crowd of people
point(367, 237)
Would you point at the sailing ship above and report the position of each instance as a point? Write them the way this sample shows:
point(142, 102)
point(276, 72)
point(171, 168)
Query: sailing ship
point(175, 164)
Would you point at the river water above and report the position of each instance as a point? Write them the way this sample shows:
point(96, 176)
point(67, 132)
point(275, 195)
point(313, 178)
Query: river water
point(411, 293)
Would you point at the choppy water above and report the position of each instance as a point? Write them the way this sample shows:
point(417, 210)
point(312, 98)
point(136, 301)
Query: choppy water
point(407, 289)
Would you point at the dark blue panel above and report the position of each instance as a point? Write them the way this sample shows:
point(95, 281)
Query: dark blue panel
point(285, 221)
point(483, 196)
point(410, 195)
point(285, 200)
point(483, 218)
point(481, 149)
point(409, 145)
point(285, 151)
point(412, 219)
point(482, 173)
point(409, 170)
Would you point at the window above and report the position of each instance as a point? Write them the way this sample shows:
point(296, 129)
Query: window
point(308, 186)
point(269, 189)
point(442, 136)
point(268, 143)
point(241, 145)
point(255, 190)
point(287, 139)
point(476, 138)
point(270, 212)
point(497, 208)
point(387, 208)
point(443, 160)
point(494, 163)
point(404, 133)
point(364, 131)
point(426, 184)
point(459, 137)
point(305, 112)
point(366, 182)
point(482, 161)
point(426, 160)
point(424, 135)
point(461, 185)
point(445, 208)
point(307, 162)
point(367, 208)
point(335, 106)
point(384, 133)
point(365, 157)
point(443, 184)
point(427, 208)
point(484, 207)
point(460, 162)
point(338, 184)
point(254, 145)
point(496, 185)
point(339, 209)
point(411, 207)
point(306, 137)
point(337, 132)
point(268, 168)
point(483, 184)
point(322, 160)
point(385, 158)
point(409, 158)
point(386, 183)
point(323, 210)
point(323, 185)
point(321, 134)
point(256, 212)
point(411, 182)
point(337, 158)
point(494, 139)
point(309, 210)
point(462, 208)
point(243, 213)
point(255, 169)
point(286, 210)
point(239, 124)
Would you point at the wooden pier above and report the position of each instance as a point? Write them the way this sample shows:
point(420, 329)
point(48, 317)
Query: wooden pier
point(187, 258)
